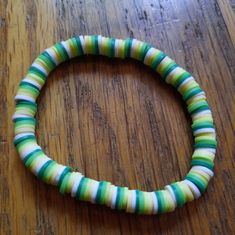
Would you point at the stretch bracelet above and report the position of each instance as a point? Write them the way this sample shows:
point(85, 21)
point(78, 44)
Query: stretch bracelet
point(103, 192)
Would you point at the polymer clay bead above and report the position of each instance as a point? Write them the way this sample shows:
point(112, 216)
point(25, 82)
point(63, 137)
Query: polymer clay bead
point(102, 192)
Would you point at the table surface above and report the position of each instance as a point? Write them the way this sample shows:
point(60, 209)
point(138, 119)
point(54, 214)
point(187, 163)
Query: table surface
point(115, 120)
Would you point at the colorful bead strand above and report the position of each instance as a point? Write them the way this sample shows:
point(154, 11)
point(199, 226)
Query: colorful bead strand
point(102, 192)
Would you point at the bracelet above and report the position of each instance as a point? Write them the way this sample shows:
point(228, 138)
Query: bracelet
point(103, 192)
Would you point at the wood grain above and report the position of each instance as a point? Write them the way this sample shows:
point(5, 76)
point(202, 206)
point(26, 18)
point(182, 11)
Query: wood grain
point(114, 120)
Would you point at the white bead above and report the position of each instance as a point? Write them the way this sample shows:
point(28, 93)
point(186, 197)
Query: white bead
point(29, 149)
point(134, 46)
point(155, 202)
point(67, 48)
point(33, 82)
point(114, 197)
point(172, 74)
point(204, 169)
point(40, 164)
point(116, 47)
point(132, 198)
point(16, 115)
point(99, 39)
point(82, 43)
point(196, 97)
point(53, 55)
point(171, 192)
point(95, 186)
point(39, 67)
point(201, 113)
point(23, 134)
point(150, 52)
point(194, 189)
point(76, 185)
point(60, 171)
point(25, 97)
point(185, 81)
point(164, 61)
point(204, 130)
point(211, 150)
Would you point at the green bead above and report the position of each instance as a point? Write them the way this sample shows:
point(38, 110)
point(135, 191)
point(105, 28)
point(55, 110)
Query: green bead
point(94, 39)
point(28, 158)
point(77, 42)
point(64, 173)
point(205, 144)
point(23, 106)
point(192, 92)
point(25, 120)
point(100, 196)
point(29, 86)
point(48, 171)
point(181, 79)
point(144, 50)
point(198, 106)
point(43, 168)
point(45, 56)
point(31, 159)
point(111, 47)
point(26, 103)
point(168, 70)
point(179, 194)
point(128, 43)
point(80, 194)
point(119, 204)
point(157, 60)
point(37, 72)
point(24, 139)
point(161, 202)
point(201, 125)
point(139, 205)
point(61, 51)
point(202, 162)
point(197, 181)
point(64, 183)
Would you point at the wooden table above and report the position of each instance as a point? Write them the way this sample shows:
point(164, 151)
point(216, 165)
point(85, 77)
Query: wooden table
point(115, 120)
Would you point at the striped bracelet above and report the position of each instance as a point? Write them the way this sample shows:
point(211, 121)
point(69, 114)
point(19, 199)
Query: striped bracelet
point(102, 192)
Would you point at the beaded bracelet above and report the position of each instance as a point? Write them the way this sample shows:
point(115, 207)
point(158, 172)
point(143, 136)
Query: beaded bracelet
point(86, 189)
